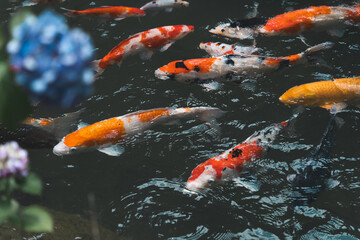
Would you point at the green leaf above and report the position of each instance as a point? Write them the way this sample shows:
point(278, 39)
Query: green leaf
point(31, 184)
point(8, 208)
point(18, 18)
point(14, 104)
point(36, 219)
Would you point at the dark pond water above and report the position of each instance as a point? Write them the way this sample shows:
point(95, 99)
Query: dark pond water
point(139, 194)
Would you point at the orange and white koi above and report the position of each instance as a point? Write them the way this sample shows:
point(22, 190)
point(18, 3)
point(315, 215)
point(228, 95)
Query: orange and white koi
point(117, 12)
point(229, 164)
point(319, 18)
point(217, 49)
point(144, 43)
point(324, 94)
point(168, 5)
point(231, 65)
point(106, 135)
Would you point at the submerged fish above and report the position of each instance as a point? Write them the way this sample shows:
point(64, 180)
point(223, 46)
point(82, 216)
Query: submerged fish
point(324, 93)
point(229, 165)
point(168, 5)
point(117, 12)
point(41, 133)
point(144, 43)
point(315, 174)
point(331, 19)
point(107, 134)
point(217, 49)
point(232, 65)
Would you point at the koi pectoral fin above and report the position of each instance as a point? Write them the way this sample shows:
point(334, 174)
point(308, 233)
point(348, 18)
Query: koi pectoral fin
point(146, 55)
point(114, 150)
point(166, 47)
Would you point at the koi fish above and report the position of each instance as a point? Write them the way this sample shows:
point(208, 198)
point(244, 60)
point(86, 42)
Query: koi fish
point(324, 93)
point(229, 65)
point(168, 5)
point(117, 12)
point(40, 133)
point(144, 43)
point(229, 165)
point(315, 174)
point(220, 49)
point(331, 19)
point(107, 134)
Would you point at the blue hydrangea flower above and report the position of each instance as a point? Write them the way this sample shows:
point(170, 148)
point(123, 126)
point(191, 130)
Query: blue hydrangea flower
point(52, 62)
point(13, 160)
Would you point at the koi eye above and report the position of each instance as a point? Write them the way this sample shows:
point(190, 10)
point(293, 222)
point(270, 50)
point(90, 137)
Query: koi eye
point(222, 30)
point(211, 181)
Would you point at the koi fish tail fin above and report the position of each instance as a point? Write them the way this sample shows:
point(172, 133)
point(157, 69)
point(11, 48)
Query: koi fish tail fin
point(319, 47)
point(290, 123)
point(61, 126)
point(70, 12)
point(97, 68)
point(309, 55)
point(209, 117)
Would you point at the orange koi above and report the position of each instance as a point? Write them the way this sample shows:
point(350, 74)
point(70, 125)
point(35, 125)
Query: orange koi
point(229, 165)
point(324, 94)
point(117, 12)
point(317, 18)
point(229, 65)
point(107, 134)
point(144, 43)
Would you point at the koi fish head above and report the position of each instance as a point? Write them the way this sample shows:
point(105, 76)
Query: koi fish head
point(267, 135)
point(61, 149)
point(136, 12)
point(186, 70)
point(180, 31)
point(227, 30)
point(203, 176)
point(300, 95)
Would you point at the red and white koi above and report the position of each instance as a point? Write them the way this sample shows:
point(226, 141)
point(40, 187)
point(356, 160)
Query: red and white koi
point(107, 134)
point(217, 49)
point(117, 12)
point(320, 18)
point(228, 66)
point(168, 5)
point(144, 43)
point(230, 164)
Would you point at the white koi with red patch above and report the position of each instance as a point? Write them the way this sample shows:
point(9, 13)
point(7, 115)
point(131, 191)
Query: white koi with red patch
point(230, 164)
point(107, 134)
point(145, 43)
point(319, 18)
point(217, 49)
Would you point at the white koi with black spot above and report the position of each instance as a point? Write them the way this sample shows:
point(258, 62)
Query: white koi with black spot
point(217, 49)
